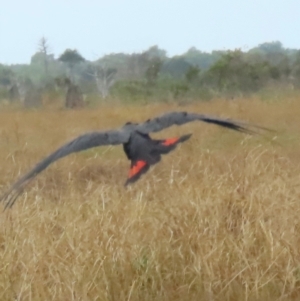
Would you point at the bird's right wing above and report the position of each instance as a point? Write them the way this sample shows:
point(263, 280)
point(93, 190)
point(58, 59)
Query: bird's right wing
point(80, 143)
point(180, 118)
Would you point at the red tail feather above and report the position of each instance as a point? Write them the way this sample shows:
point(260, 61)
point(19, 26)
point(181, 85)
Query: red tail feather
point(136, 170)
point(170, 141)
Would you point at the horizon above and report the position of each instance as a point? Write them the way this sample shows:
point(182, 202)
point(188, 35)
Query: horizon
point(143, 50)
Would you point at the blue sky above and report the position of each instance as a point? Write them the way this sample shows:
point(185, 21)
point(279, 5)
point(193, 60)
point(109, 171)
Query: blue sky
point(96, 27)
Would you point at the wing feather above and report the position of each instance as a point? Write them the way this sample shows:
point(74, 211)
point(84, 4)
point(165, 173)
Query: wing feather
point(83, 142)
point(180, 118)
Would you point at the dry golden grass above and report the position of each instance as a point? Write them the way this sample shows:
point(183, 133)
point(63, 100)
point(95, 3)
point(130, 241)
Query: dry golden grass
point(217, 219)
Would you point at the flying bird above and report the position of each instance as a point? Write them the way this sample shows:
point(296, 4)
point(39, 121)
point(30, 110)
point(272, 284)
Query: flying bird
point(138, 146)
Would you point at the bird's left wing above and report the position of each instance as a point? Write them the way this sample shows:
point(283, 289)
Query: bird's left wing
point(180, 118)
point(83, 142)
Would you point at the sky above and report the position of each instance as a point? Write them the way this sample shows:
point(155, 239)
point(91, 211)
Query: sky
point(96, 27)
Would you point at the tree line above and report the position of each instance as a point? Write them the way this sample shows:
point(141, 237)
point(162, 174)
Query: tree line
point(149, 75)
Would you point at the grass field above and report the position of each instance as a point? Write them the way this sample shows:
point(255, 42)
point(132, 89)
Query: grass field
point(217, 219)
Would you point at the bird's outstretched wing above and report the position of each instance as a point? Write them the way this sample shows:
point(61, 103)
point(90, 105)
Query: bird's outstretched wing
point(179, 118)
point(80, 143)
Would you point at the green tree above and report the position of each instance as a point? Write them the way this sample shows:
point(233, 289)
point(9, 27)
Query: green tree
point(71, 58)
point(137, 65)
point(153, 70)
point(6, 76)
point(192, 74)
point(176, 67)
point(203, 60)
point(234, 73)
point(6, 81)
point(296, 69)
point(271, 47)
point(155, 52)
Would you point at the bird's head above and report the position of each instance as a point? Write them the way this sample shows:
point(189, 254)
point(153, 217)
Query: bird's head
point(130, 124)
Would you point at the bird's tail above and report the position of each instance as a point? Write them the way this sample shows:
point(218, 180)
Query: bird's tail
point(138, 167)
point(167, 145)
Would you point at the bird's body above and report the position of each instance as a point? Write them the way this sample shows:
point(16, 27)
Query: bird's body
point(138, 146)
point(143, 152)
